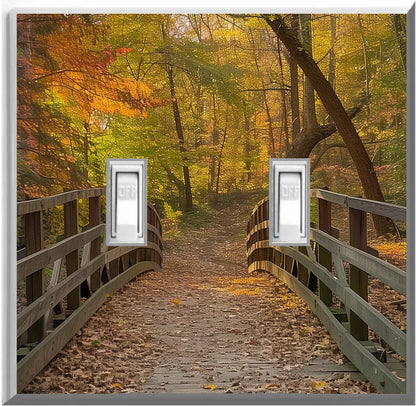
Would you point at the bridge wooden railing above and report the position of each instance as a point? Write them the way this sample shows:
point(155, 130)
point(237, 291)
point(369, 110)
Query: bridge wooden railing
point(330, 269)
point(84, 274)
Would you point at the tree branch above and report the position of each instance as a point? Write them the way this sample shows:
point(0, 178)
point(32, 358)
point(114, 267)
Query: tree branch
point(265, 89)
point(314, 164)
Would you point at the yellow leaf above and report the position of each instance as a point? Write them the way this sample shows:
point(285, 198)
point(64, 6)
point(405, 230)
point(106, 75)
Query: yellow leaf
point(212, 387)
point(197, 368)
point(107, 295)
point(305, 331)
point(270, 385)
point(118, 385)
point(320, 385)
point(176, 301)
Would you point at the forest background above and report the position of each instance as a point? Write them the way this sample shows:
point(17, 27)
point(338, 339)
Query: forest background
point(208, 99)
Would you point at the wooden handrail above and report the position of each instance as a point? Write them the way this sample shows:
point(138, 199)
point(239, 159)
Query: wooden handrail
point(101, 271)
point(44, 203)
point(393, 211)
point(329, 273)
point(382, 270)
point(40, 259)
point(384, 209)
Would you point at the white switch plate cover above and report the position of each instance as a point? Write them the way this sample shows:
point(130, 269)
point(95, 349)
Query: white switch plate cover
point(126, 200)
point(289, 208)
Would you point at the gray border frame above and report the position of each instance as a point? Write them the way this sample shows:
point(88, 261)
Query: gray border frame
point(305, 199)
point(142, 189)
point(8, 232)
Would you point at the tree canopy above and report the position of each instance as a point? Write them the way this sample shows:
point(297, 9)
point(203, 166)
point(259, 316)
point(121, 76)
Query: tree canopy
point(208, 99)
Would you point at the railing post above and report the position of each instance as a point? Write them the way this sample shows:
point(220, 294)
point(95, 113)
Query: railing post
point(159, 227)
point(358, 278)
point(94, 217)
point(325, 258)
point(303, 273)
point(72, 259)
point(34, 282)
point(113, 266)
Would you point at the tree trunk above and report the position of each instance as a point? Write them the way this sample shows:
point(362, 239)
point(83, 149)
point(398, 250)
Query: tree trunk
point(283, 94)
point(332, 60)
point(294, 97)
point(338, 114)
point(217, 185)
point(272, 150)
point(247, 144)
point(309, 111)
point(215, 142)
point(179, 186)
point(400, 31)
point(86, 151)
point(303, 145)
point(366, 72)
point(294, 89)
point(182, 149)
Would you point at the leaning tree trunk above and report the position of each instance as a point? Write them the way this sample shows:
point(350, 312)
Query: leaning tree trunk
point(338, 114)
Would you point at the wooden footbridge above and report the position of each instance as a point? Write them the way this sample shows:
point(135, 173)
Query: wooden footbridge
point(331, 276)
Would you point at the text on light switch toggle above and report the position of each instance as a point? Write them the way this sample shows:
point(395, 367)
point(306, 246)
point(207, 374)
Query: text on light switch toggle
point(126, 202)
point(289, 202)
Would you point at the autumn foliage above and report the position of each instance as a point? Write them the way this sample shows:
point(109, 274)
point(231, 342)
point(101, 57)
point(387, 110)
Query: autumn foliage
point(207, 99)
point(66, 87)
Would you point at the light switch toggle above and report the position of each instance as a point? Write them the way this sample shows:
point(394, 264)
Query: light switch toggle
point(289, 202)
point(125, 222)
point(126, 202)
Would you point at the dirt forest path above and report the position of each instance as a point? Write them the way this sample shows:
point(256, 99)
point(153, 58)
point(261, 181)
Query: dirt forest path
point(202, 324)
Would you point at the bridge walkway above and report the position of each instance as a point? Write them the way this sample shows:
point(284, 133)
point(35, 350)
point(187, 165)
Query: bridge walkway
point(203, 324)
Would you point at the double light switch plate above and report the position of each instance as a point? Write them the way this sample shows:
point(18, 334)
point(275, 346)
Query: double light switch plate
point(289, 202)
point(126, 202)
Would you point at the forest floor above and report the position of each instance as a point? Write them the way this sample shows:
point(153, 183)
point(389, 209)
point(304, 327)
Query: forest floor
point(203, 324)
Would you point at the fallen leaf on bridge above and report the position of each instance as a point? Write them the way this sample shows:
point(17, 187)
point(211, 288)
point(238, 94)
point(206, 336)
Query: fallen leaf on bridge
point(246, 291)
point(211, 387)
point(397, 376)
point(118, 385)
point(250, 280)
point(305, 331)
point(176, 301)
point(320, 385)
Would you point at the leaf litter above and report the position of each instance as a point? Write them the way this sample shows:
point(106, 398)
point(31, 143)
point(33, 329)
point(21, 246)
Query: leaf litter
point(200, 324)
